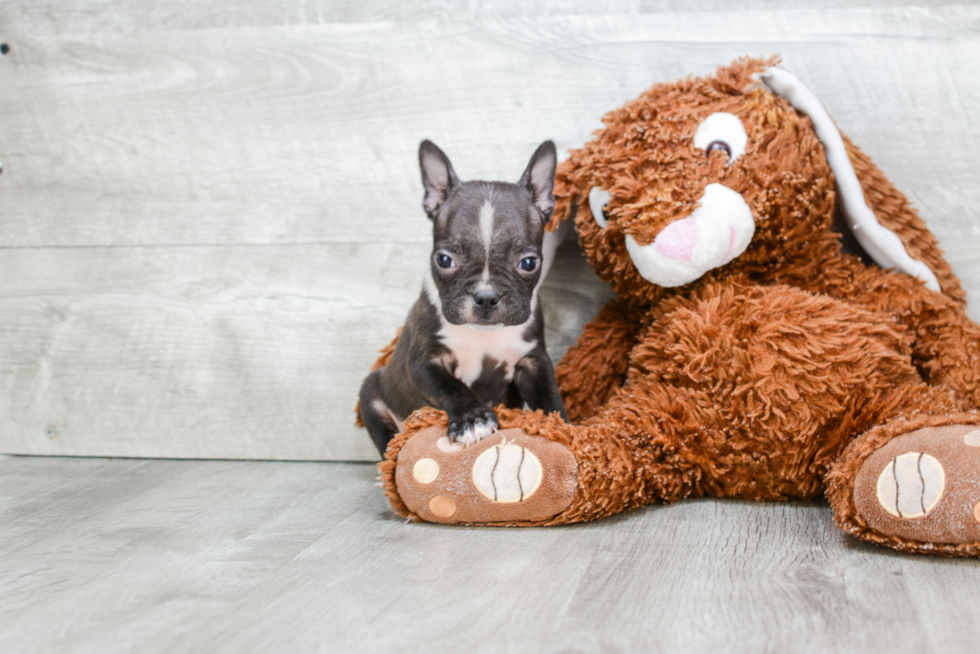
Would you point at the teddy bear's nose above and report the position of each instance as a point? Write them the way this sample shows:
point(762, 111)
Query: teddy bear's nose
point(678, 239)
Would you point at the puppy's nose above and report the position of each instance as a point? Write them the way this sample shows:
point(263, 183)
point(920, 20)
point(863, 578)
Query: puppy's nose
point(486, 299)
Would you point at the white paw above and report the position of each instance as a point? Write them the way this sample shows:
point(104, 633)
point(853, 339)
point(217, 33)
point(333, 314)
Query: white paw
point(472, 426)
point(476, 432)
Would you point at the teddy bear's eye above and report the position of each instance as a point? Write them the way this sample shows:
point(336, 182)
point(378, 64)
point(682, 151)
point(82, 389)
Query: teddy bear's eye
point(598, 199)
point(722, 131)
point(719, 145)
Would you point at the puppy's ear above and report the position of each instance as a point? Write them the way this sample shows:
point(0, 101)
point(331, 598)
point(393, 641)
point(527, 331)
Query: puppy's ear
point(539, 178)
point(438, 177)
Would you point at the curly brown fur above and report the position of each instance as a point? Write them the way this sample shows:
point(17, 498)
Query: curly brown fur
point(589, 373)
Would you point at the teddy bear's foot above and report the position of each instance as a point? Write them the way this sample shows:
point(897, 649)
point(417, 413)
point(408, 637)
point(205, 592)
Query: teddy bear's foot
point(922, 489)
point(508, 478)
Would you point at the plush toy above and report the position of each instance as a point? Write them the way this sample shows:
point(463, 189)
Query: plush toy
point(747, 354)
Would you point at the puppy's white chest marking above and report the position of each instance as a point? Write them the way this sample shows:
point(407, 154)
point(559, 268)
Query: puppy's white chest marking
point(470, 347)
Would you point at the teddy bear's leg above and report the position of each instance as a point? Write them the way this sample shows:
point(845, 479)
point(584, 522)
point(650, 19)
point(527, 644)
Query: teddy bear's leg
point(510, 477)
point(913, 483)
point(596, 365)
point(536, 470)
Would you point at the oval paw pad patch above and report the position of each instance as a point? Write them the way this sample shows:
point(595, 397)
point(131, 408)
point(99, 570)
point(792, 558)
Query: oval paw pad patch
point(911, 485)
point(507, 473)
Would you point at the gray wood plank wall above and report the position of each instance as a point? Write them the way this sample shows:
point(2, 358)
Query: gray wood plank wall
point(209, 214)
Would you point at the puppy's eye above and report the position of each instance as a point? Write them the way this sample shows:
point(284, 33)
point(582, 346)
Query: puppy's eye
point(445, 261)
point(722, 131)
point(528, 264)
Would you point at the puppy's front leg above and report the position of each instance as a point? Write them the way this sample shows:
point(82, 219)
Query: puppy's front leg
point(534, 377)
point(470, 421)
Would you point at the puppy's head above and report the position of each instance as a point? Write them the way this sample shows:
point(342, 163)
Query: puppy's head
point(486, 252)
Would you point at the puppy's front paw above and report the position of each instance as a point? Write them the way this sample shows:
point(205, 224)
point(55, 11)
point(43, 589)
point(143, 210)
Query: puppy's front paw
point(472, 426)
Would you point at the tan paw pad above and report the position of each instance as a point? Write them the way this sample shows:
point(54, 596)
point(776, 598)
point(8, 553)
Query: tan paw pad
point(507, 473)
point(442, 506)
point(425, 471)
point(911, 485)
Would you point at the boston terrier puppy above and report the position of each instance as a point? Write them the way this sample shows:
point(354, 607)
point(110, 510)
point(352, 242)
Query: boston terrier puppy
point(475, 337)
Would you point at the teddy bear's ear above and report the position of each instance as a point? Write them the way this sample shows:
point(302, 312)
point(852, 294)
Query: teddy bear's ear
point(881, 243)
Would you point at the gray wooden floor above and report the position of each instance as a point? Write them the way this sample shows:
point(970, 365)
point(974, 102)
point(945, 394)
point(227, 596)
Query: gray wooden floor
point(146, 556)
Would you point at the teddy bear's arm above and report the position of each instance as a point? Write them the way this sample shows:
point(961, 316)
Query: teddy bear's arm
point(945, 342)
point(946, 348)
point(597, 363)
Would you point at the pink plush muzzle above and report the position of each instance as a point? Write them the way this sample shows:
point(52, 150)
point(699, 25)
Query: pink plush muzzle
point(678, 239)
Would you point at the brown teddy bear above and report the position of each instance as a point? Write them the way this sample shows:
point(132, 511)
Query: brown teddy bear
point(748, 354)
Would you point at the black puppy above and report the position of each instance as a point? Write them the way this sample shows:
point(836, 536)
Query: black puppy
point(475, 337)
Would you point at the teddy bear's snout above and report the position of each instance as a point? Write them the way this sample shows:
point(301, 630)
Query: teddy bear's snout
point(716, 232)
